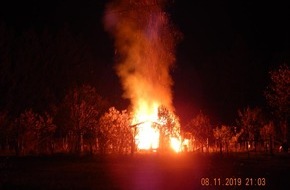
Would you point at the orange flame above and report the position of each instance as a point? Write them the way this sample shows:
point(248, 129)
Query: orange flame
point(175, 144)
point(144, 41)
point(148, 135)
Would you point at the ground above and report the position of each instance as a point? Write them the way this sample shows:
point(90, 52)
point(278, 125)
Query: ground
point(148, 172)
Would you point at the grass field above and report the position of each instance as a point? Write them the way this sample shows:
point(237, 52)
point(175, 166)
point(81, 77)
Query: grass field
point(156, 172)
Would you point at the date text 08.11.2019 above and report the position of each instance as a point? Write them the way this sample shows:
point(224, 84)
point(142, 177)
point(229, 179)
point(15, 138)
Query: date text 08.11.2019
point(232, 181)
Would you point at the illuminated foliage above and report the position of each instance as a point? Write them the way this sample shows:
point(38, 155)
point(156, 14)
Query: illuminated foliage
point(278, 94)
point(169, 127)
point(223, 135)
point(250, 122)
point(46, 134)
point(83, 106)
point(169, 121)
point(268, 134)
point(201, 129)
point(267, 131)
point(115, 132)
point(26, 131)
point(33, 133)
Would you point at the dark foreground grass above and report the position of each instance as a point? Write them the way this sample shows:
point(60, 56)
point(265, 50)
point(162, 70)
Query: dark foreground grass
point(156, 172)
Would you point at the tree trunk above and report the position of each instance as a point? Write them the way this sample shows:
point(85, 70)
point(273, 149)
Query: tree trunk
point(271, 149)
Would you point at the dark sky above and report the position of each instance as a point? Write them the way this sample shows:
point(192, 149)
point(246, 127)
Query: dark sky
point(222, 63)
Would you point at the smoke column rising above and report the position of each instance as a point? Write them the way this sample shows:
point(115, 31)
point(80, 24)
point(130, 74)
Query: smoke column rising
point(144, 42)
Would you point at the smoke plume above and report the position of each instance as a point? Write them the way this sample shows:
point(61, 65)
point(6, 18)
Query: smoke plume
point(144, 42)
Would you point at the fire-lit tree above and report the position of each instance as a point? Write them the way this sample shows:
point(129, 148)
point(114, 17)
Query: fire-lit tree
point(201, 129)
point(46, 134)
point(25, 131)
point(115, 132)
point(169, 127)
point(278, 97)
point(83, 106)
point(32, 133)
point(267, 133)
point(250, 121)
point(223, 136)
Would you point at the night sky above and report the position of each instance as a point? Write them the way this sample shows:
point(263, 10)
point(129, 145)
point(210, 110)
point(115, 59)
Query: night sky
point(222, 62)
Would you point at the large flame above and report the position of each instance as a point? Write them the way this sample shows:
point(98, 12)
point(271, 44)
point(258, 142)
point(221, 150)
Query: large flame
point(144, 41)
point(147, 137)
point(149, 126)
